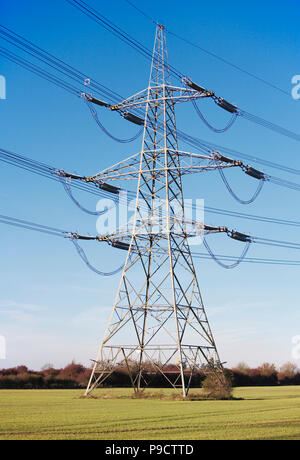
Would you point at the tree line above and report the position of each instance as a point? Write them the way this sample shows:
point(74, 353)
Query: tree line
point(76, 375)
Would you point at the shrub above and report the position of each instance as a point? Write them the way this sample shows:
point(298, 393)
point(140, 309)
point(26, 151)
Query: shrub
point(218, 386)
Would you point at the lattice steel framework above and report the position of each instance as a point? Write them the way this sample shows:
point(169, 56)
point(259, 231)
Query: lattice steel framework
point(158, 318)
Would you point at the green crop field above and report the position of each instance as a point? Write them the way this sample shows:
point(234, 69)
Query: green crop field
point(265, 413)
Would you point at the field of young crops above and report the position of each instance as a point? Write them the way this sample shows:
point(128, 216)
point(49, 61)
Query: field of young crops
point(264, 413)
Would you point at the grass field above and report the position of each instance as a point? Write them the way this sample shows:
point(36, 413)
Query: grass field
point(265, 413)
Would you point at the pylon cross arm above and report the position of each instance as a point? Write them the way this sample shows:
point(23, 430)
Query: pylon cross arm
point(130, 168)
point(153, 95)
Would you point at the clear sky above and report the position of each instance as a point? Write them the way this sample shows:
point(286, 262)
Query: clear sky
point(52, 308)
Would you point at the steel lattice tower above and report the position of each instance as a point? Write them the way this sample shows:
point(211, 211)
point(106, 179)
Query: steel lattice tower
point(158, 317)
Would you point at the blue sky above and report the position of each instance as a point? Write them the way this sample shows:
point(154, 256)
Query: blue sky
point(52, 308)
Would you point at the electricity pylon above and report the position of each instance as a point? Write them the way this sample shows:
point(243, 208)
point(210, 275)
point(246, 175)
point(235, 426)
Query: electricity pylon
point(158, 317)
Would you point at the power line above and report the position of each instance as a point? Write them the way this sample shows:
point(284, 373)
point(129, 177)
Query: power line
point(52, 231)
point(141, 11)
point(132, 42)
point(209, 125)
point(252, 217)
point(208, 146)
point(38, 71)
point(108, 25)
point(56, 63)
point(149, 250)
point(197, 143)
point(108, 133)
point(221, 262)
point(83, 256)
point(212, 54)
point(193, 141)
point(44, 170)
point(32, 226)
point(51, 172)
point(251, 260)
point(235, 196)
point(102, 90)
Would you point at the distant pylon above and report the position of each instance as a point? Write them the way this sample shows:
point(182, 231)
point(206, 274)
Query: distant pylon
point(158, 318)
